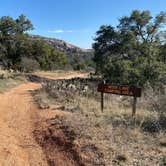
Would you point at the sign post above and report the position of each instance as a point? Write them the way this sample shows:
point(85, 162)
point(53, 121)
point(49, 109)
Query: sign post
point(134, 106)
point(102, 101)
point(120, 90)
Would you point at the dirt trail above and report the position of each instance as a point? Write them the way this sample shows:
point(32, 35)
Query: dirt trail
point(18, 116)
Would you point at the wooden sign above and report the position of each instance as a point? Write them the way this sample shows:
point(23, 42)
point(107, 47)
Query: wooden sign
point(120, 90)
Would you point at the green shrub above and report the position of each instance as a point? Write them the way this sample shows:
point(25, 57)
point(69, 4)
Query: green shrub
point(29, 64)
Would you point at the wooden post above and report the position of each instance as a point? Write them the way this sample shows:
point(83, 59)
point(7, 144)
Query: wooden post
point(134, 106)
point(102, 101)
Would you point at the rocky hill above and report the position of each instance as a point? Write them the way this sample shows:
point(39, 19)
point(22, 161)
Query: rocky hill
point(62, 45)
point(77, 57)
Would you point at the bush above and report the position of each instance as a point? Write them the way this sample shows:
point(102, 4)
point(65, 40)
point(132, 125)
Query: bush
point(79, 67)
point(29, 64)
point(155, 98)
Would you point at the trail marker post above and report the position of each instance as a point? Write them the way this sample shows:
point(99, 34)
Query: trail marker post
point(120, 90)
point(102, 101)
point(102, 98)
point(134, 106)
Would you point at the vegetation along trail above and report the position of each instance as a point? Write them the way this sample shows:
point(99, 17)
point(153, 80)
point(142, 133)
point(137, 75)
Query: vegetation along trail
point(18, 117)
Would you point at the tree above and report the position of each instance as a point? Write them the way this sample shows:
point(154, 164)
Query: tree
point(47, 56)
point(17, 50)
point(129, 53)
point(105, 42)
point(12, 38)
point(7, 26)
point(23, 24)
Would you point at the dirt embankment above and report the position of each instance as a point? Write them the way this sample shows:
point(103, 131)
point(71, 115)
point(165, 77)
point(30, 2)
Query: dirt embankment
point(58, 148)
point(18, 117)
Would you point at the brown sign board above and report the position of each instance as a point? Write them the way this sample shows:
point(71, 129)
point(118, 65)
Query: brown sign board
point(120, 89)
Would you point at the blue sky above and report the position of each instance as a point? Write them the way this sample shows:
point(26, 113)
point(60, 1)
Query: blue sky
point(75, 21)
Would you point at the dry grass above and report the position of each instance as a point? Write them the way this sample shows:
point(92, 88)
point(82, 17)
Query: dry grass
point(111, 137)
point(119, 140)
point(51, 73)
point(60, 74)
point(114, 133)
point(9, 80)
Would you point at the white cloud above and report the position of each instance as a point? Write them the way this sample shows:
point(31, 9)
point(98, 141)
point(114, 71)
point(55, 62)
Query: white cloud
point(56, 31)
point(69, 31)
point(60, 31)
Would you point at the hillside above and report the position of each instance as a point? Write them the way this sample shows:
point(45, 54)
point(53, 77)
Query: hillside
point(78, 58)
point(62, 45)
